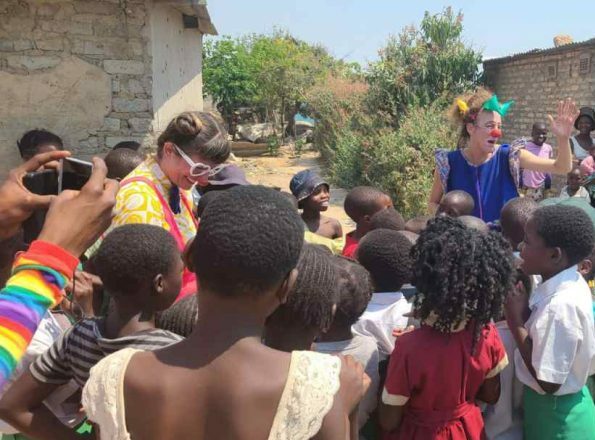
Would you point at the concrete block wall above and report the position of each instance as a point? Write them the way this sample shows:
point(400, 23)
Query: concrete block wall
point(108, 40)
point(528, 81)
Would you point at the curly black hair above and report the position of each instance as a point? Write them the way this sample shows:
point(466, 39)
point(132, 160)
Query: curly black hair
point(132, 255)
point(355, 289)
point(386, 255)
point(249, 240)
point(460, 274)
point(180, 318)
point(387, 219)
point(204, 201)
point(310, 303)
point(514, 216)
point(33, 139)
point(362, 201)
point(566, 227)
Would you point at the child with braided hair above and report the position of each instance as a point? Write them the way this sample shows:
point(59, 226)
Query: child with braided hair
point(462, 278)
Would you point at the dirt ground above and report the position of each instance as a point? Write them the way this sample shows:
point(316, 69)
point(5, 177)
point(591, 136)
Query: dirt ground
point(277, 171)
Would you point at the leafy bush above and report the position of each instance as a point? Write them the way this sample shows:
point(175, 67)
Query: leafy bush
point(402, 162)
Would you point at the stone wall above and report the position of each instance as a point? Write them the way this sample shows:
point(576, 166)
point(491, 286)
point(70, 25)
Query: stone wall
point(79, 68)
point(538, 81)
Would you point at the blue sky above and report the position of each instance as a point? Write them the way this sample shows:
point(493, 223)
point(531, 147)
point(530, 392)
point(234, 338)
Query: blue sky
point(355, 30)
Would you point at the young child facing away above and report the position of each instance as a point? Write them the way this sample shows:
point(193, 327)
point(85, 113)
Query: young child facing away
point(313, 196)
point(417, 224)
point(121, 162)
point(573, 186)
point(245, 254)
point(141, 269)
point(361, 203)
point(309, 308)
point(455, 204)
point(387, 219)
point(513, 218)
point(554, 329)
point(354, 291)
point(180, 318)
point(437, 372)
point(534, 182)
point(385, 254)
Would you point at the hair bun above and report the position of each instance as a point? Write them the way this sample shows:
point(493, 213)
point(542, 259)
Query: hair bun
point(188, 124)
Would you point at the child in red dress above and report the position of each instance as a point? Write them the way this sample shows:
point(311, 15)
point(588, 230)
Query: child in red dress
point(437, 372)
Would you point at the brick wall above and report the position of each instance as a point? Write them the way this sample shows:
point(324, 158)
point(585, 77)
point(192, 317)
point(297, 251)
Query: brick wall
point(110, 38)
point(538, 81)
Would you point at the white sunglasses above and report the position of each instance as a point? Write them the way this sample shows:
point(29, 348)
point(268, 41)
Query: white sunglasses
point(198, 169)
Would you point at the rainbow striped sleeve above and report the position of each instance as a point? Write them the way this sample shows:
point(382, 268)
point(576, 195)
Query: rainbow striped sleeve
point(38, 277)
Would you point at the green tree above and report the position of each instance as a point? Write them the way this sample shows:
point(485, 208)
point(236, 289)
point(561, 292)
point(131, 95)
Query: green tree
point(422, 66)
point(228, 75)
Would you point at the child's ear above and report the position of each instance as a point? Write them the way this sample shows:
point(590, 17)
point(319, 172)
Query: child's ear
point(585, 267)
point(287, 286)
point(158, 284)
point(557, 255)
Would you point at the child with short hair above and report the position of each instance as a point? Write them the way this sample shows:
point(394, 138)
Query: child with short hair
point(387, 219)
point(308, 311)
point(354, 290)
point(360, 204)
point(513, 218)
point(456, 203)
point(554, 329)
point(573, 186)
point(245, 254)
point(38, 141)
point(313, 195)
point(141, 269)
point(385, 254)
point(475, 223)
point(456, 339)
point(121, 162)
point(536, 182)
point(417, 224)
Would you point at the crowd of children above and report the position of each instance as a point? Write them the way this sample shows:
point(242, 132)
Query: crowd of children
point(434, 327)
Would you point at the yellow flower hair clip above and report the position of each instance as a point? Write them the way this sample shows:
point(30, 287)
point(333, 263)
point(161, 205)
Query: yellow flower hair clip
point(463, 107)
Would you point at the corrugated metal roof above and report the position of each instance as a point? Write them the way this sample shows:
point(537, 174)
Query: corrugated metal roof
point(551, 50)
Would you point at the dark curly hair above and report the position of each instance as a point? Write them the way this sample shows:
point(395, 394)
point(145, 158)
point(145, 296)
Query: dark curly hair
point(386, 255)
point(387, 219)
point(460, 274)
point(355, 289)
point(180, 318)
point(249, 240)
point(566, 227)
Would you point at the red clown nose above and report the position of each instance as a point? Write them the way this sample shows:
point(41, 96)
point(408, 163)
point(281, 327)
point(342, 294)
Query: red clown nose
point(496, 133)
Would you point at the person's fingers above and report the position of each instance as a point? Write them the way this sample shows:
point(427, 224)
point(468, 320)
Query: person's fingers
point(550, 119)
point(35, 201)
point(41, 159)
point(111, 188)
point(96, 182)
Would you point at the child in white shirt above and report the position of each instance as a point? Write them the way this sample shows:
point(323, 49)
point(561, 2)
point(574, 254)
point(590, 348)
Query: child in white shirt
point(554, 329)
point(385, 254)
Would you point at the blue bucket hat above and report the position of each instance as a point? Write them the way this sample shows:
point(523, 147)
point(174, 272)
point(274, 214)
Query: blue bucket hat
point(304, 183)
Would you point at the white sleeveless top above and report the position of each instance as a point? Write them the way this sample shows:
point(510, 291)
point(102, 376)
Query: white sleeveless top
point(312, 383)
point(579, 152)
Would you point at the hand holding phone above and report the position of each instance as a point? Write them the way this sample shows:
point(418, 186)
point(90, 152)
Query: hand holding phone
point(77, 218)
point(17, 203)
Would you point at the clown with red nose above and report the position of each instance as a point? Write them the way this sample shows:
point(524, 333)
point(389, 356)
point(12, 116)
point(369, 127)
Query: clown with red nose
point(489, 170)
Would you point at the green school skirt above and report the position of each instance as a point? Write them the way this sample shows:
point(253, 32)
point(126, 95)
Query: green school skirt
point(569, 417)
